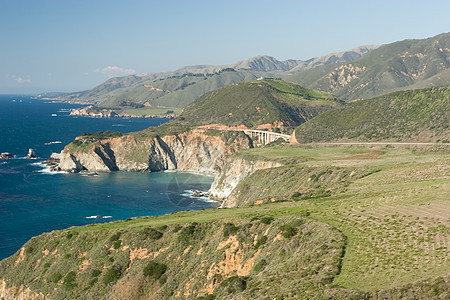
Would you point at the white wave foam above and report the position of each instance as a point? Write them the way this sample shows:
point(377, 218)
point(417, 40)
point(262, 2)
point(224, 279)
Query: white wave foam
point(116, 125)
point(47, 170)
point(99, 217)
point(51, 143)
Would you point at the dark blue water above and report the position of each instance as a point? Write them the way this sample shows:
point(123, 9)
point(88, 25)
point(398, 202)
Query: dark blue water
point(33, 200)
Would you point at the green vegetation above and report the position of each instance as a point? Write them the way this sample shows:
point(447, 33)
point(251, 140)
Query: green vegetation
point(408, 64)
point(380, 233)
point(419, 115)
point(154, 269)
point(257, 102)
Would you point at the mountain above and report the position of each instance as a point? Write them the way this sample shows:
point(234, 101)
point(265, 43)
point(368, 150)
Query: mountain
point(181, 87)
point(269, 102)
point(407, 64)
point(408, 116)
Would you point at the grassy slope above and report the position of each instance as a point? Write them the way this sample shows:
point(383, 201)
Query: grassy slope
point(401, 65)
point(257, 102)
point(395, 221)
point(419, 115)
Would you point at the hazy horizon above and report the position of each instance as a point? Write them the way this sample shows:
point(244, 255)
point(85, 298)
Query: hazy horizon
point(71, 46)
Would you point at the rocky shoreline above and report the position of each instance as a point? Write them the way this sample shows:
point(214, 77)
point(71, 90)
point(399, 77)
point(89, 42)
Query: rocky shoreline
point(89, 111)
point(193, 151)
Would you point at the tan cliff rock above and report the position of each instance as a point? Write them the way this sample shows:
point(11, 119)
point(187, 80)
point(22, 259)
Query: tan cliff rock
point(236, 170)
point(193, 151)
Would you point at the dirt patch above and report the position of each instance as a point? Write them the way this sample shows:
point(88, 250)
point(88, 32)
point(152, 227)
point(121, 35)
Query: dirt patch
point(139, 253)
point(84, 265)
point(187, 249)
point(21, 256)
point(245, 269)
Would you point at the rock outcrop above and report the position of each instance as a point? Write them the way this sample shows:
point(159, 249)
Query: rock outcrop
point(194, 151)
point(6, 155)
point(31, 154)
point(236, 170)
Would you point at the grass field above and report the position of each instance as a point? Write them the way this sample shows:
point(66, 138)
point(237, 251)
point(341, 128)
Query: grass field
point(383, 233)
point(397, 220)
point(149, 111)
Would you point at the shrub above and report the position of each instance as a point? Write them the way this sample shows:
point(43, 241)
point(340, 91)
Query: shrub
point(288, 230)
point(260, 266)
point(188, 233)
point(95, 273)
point(208, 297)
point(261, 241)
point(111, 275)
point(177, 228)
point(234, 284)
point(229, 229)
point(267, 220)
point(154, 269)
point(117, 244)
point(55, 277)
point(153, 233)
point(115, 237)
point(70, 281)
point(162, 227)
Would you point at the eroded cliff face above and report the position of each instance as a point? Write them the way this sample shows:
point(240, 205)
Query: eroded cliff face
point(194, 151)
point(11, 292)
point(237, 169)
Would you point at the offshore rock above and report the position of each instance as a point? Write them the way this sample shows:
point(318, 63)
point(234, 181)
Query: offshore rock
point(31, 154)
point(6, 155)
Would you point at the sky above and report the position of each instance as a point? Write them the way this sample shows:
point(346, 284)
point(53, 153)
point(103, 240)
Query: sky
point(73, 45)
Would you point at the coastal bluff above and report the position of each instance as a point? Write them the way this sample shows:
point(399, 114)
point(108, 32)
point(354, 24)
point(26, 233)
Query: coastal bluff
point(195, 151)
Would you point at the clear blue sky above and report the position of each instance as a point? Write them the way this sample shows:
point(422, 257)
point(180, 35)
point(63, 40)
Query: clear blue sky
point(70, 45)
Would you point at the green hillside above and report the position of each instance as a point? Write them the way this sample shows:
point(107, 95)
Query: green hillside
point(418, 115)
point(341, 223)
point(258, 102)
point(401, 65)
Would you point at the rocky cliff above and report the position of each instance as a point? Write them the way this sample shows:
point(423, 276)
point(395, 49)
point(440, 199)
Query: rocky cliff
point(196, 151)
point(234, 172)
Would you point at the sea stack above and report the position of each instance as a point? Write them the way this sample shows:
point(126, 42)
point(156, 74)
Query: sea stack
point(6, 155)
point(31, 154)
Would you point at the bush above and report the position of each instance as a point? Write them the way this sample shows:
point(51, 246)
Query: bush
point(229, 229)
point(55, 277)
point(153, 233)
point(111, 275)
point(267, 220)
point(260, 266)
point(95, 273)
point(70, 281)
point(288, 230)
point(188, 233)
point(117, 244)
point(208, 297)
point(261, 241)
point(154, 269)
point(234, 284)
point(115, 237)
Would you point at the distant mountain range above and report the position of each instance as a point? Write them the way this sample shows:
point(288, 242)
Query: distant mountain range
point(360, 73)
point(181, 87)
point(409, 64)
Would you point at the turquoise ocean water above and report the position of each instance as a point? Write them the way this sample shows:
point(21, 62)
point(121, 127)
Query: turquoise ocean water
point(34, 200)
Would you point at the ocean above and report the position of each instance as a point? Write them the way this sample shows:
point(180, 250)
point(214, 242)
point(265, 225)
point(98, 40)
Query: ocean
point(34, 200)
